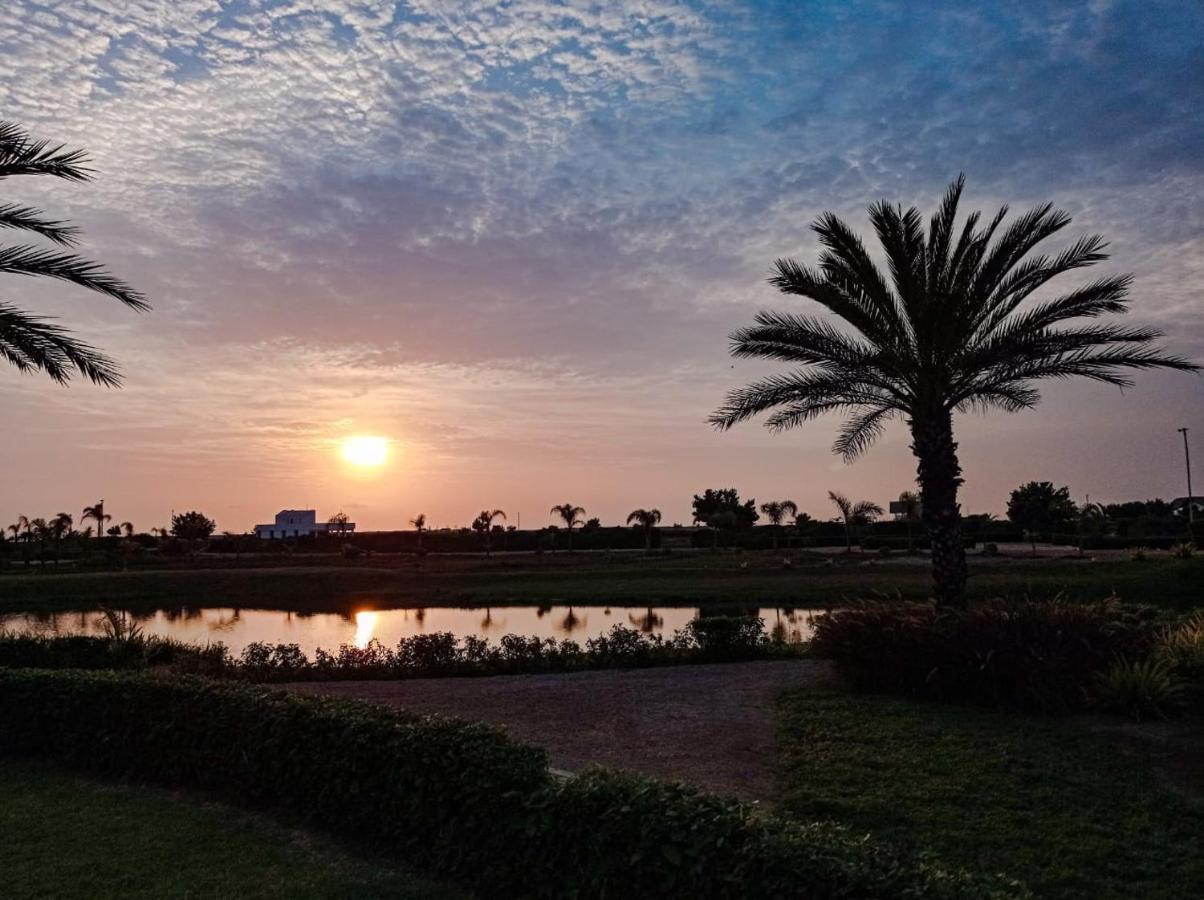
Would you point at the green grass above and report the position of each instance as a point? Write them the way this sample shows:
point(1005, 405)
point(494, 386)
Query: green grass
point(585, 579)
point(66, 836)
point(1067, 812)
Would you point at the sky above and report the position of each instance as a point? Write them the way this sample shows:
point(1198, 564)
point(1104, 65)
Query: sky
point(513, 238)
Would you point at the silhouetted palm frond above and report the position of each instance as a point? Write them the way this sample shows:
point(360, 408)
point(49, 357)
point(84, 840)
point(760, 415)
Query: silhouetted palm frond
point(27, 342)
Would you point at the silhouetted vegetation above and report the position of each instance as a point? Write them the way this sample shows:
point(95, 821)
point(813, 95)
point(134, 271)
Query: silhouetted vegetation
point(193, 526)
point(947, 332)
point(1047, 656)
point(30, 343)
point(455, 798)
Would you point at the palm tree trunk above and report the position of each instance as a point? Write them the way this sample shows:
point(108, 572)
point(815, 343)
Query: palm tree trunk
point(647, 540)
point(940, 476)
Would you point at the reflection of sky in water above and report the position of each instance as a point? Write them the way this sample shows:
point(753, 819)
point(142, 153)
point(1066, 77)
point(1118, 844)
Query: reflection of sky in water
point(237, 628)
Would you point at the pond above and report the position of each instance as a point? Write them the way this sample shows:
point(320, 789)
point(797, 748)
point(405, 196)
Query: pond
point(238, 627)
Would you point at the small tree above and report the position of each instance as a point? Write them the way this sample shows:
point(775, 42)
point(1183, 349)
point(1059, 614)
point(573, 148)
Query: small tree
point(338, 523)
point(1039, 506)
point(419, 523)
point(647, 519)
point(776, 512)
point(722, 510)
point(192, 526)
point(571, 516)
point(483, 525)
point(852, 513)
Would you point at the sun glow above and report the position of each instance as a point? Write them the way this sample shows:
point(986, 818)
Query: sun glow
point(365, 624)
point(364, 450)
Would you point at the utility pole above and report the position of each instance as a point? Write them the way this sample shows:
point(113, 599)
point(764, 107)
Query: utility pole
point(1191, 507)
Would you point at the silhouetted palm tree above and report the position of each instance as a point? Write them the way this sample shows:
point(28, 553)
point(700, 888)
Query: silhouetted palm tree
point(647, 519)
point(853, 514)
point(98, 515)
point(947, 333)
point(776, 511)
point(35, 344)
point(419, 523)
point(571, 515)
point(484, 524)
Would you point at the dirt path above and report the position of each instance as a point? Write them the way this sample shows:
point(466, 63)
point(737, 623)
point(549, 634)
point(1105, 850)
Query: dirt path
point(710, 725)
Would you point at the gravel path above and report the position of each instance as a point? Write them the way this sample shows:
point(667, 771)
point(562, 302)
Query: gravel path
point(710, 725)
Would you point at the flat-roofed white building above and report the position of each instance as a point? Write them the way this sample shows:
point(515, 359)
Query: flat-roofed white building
point(299, 523)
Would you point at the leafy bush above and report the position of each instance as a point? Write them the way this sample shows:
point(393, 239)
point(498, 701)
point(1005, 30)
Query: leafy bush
point(1184, 550)
point(110, 652)
point(1140, 689)
point(726, 637)
point(1044, 656)
point(717, 638)
point(455, 798)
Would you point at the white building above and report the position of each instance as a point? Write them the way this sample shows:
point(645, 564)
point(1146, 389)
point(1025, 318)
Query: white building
point(299, 523)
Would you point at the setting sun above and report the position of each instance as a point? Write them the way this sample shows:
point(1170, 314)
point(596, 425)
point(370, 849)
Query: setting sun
point(365, 451)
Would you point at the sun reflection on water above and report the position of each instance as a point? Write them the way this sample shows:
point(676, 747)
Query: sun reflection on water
point(365, 625)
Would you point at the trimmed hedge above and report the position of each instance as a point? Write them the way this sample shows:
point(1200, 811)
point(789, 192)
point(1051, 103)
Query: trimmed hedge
point(451, 798)
point(1029, 655)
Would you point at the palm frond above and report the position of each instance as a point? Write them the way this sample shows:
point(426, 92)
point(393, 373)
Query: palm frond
point(22, 155)
point(860, 431)
point(26, 218)
point(33, 261)
point(32, 344)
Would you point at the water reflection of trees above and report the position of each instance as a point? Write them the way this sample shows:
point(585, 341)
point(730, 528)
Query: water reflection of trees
point(571, 622)
point(649, 622)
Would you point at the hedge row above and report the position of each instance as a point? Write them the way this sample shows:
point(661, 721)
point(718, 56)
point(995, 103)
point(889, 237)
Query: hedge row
point(458, 800)
point(1027, 655)
point(439, 654)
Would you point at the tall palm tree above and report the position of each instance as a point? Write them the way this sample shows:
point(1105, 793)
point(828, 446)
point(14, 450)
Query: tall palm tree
point(19, 526)
point(98, 515)
point(571, 515)
point(647, 519)
point(949, 331)
point(776, 511)
point(30, 343)
point(853, 514)
point(419, 523)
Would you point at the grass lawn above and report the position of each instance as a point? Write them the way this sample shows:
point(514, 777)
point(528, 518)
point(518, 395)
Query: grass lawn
point(585, 579)
point(66, 836)
point(1067, 812)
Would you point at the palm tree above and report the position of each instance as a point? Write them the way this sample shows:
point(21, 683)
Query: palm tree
point(777, 510)
point(949, 332)
point(909, 503)
point(571, 516)
point(419, 523)
point(853, 514)
point(60, 528)
point(98, 515)
point(127, 529)
point(30, 343)
point(484, 524)
point(19, 526)
point(647, 519)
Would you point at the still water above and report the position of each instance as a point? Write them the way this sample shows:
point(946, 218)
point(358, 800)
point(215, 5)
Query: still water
point(238, 627)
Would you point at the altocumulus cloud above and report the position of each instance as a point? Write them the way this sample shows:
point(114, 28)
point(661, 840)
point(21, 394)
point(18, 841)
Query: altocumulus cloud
point(558, 191)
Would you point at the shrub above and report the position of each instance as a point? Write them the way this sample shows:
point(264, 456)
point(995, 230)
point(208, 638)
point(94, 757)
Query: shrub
point(1140, 689)
point(423, 787)
point(726, 637)
point(1022, 655)
point(717, 638)
point(1182, 646)
point(454, 798)
point(1184, 550)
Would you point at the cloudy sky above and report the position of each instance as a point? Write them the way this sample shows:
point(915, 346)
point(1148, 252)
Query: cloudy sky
point(512, 239)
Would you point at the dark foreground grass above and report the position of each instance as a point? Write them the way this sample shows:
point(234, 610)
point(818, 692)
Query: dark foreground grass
point(1041, 800)
point(65, 836)
point(590, 579)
